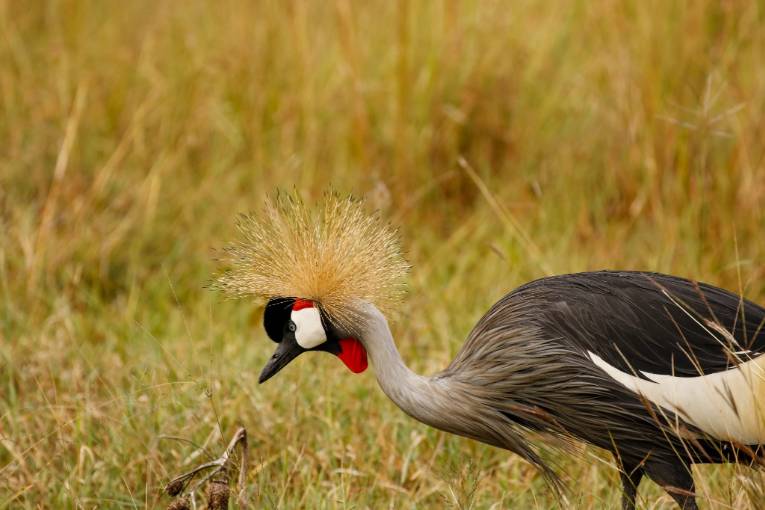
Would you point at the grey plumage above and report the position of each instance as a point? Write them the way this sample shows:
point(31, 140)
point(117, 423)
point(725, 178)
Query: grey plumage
point(661, 371)
point(525, 365)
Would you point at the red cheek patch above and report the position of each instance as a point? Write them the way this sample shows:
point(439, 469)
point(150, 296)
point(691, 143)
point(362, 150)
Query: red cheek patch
point(299, 304)
point(353, 355)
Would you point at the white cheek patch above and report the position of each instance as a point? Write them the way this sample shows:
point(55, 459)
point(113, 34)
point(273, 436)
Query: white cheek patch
point(309, 332)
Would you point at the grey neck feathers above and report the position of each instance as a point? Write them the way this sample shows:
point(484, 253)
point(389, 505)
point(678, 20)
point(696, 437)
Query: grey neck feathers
point(444, 401)
point(426, 399)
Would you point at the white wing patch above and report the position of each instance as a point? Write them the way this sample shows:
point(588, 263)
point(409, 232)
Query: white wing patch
point(728, 405)
point(309, 331)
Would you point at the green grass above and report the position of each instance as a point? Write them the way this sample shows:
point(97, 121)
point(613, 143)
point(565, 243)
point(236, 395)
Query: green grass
point(603, 134)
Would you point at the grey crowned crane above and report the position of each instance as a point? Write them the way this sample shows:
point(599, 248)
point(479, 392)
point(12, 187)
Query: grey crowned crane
point(661, 371)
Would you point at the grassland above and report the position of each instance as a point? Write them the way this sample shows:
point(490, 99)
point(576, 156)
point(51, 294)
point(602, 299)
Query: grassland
point(602, 135)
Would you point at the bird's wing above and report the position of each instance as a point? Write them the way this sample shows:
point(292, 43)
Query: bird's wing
point(692, 349)
point(648, 324)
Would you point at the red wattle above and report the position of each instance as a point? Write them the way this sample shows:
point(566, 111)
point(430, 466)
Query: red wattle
point(353, 355)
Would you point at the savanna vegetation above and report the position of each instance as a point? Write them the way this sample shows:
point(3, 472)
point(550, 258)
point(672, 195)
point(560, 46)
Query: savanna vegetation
point(506, 141)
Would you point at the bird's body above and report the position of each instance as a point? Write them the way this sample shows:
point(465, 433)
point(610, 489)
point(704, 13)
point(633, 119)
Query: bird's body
point(545, 356)
point(661, 371)
point(540, 360)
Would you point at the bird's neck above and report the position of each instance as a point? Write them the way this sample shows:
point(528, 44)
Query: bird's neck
point(424, 398)
point(445, 401)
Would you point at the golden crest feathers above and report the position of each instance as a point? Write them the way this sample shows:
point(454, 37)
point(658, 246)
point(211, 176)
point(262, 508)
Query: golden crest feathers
point(334, 254)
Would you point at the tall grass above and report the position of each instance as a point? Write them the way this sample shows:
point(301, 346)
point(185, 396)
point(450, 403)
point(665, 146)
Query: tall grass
point(594, 135)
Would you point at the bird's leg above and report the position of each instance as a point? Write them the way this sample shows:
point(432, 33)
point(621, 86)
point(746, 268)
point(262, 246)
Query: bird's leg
point(630, 478)
point(677, 480)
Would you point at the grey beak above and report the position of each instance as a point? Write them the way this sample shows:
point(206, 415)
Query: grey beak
point(287, 350)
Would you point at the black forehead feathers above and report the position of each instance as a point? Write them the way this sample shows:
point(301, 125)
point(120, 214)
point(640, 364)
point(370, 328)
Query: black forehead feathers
point(277, 313)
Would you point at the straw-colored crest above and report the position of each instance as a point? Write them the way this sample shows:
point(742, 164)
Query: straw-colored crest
point(334, 254)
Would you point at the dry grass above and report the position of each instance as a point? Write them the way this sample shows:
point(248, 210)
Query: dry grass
point(596, 135)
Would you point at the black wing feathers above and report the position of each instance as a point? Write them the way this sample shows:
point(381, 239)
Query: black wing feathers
point(648, 322)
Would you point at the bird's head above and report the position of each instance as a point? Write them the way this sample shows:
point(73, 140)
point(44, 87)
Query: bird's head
point(298, 326)
point(317, 269)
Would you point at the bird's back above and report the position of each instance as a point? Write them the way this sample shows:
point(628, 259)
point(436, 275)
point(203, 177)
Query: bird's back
point(599, 354)
point(649, 322)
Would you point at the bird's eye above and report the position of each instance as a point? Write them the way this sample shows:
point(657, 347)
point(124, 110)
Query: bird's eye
point(291, 327)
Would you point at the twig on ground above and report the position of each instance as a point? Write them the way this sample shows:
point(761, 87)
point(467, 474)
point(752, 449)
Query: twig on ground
point(218, 476)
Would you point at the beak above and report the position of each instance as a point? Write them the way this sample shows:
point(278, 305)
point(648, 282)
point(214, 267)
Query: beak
point(287, 350)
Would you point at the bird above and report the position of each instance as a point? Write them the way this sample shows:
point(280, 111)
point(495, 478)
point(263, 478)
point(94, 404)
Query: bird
point(663, 372)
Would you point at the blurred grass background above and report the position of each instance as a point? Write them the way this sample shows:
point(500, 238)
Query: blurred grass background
point(594, 135)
